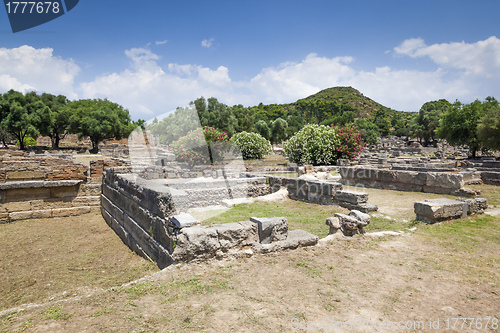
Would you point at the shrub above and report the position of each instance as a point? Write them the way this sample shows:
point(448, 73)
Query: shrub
point(252, 145)
point(323, 145)
point(28, 141)
point(193, 148)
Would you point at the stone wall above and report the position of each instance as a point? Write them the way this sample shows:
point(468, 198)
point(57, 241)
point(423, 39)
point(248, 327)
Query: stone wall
point(145, 215)
point(315, 191)
point(43, 187)
point(402, 180)
point(21, 200)
point(40, 168)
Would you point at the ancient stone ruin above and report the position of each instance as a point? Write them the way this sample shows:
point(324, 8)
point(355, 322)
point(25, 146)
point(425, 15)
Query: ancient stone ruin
point(442, 209)
point(146, 213)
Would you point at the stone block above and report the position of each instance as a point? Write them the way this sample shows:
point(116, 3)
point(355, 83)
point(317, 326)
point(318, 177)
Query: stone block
point(18, 206)
point(42, 214)
point(271, 229)
point(295, 239)
point(236, 235)
point(351, 197)
point(28, 194)
point(333, 223)
point(362, 217)
point(184, 220)
point(16, 216)
point(74, 211)
point(196, 242)
point(349, 225)
point(63, 192)
point(435, 210)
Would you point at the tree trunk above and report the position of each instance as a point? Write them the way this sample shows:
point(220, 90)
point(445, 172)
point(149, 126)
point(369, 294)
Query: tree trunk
point(55, 141)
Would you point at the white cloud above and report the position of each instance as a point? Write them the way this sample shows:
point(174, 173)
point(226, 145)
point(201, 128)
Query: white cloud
point(480, 58)
point(161, 42)
point(26, 68)
point(207, 42)
point(147, 87)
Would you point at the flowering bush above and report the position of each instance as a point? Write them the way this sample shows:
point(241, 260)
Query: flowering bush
point(351, 142)
point(194, 148)
point(252, 145)
point(323, 145)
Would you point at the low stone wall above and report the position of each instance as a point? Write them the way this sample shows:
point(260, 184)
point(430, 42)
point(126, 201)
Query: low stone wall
point(40, 168)
point(315, 191)
point(23, 200)
point(144, 214)
point(43, 187)
point(414, 181)
point(491, 177)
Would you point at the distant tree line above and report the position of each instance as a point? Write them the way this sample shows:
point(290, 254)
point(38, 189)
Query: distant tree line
point(30, 115)
point(476, 125)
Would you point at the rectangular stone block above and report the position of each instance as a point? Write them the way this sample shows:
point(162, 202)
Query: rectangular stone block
point(17, 206)
point(271, 229)
point(42, 214)
point(435, 210)
point(74, 211)
point(27, 194)
point(64, 192)
point(16, 216)
point(351, 197)
point(184, 220)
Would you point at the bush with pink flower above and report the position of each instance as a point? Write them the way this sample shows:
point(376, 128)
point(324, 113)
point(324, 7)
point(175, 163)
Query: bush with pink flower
point(200, 147)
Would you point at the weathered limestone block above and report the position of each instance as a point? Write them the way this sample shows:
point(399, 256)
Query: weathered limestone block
point(435, 210)
point(196, 242)
point(363, 218)
point(184, 220)
point(236, 235)
point(349, 225)
point(351, 197)
point(16, 216)
point(42, 214)
point(475, 206)
point(334, 224)
point(295, 239)
point(70, 211)
point(271, 229)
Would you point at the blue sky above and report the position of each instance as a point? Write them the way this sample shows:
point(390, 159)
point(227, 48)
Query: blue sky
point(152, 56)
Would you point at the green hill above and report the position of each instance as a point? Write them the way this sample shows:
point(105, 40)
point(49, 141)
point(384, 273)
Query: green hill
point(362, 105)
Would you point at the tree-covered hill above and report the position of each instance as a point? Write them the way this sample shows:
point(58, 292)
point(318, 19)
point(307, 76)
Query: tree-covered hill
point(363, 106)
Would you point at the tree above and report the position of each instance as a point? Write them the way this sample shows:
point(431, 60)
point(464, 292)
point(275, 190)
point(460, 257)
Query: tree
point(19, 114)
point(263, 129)
point(215, 114)
point(488, 128)
point(458, 125)
point(369, 131)
point(382, 121)
point(278, 130)
point(245, 118)
point(54, 121)
point(424, 125)
point(100, 120)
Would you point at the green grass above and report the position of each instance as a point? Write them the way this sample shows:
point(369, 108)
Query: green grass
point(56, 313)
point(300, 215)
